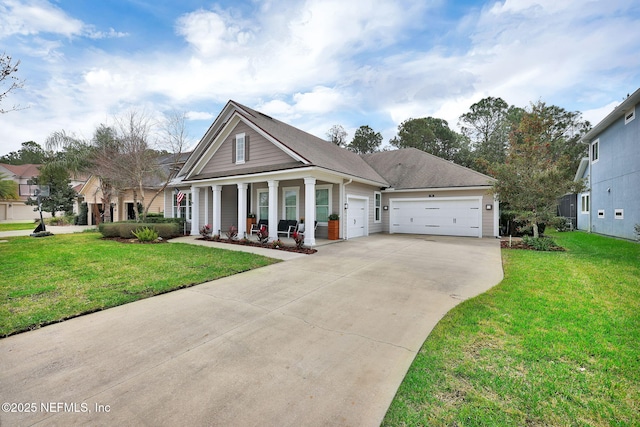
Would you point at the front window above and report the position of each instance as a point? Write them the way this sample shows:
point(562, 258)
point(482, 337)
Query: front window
point(182, 210)
point(323, 203)
point(240, 148)
point(263, 204)
point(377, 206)
point(290, 203)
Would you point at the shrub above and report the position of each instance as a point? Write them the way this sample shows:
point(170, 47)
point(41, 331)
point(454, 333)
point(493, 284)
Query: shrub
point(205, 231)
point(232, 232)
point(125, 229)
point(298, 238)
point(145, 234)
point(636, 228)
point(263, 235)
point(277, 244)
point(540, 244)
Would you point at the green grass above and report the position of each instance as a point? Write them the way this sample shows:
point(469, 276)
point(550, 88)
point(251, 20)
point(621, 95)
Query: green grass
point(11, 226)
point(44, 280)
point(557, 342)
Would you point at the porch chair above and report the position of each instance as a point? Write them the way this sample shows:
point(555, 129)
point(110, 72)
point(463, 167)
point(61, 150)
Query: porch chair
point(255, 228)
point(301, 227)
point(287, 227)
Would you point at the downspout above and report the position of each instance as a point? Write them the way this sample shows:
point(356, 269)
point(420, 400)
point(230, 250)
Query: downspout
point(342, 203)
point(589, 189)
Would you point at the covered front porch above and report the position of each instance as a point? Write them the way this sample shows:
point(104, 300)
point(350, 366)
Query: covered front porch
point(299, 197)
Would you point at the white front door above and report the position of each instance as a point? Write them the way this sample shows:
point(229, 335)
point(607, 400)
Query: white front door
point(356, 217)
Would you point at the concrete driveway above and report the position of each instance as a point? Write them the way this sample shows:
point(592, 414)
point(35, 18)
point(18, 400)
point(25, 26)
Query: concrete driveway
point(324, 339)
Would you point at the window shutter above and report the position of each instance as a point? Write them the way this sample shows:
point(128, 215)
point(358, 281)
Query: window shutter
point(233, 150)
point(246, 148)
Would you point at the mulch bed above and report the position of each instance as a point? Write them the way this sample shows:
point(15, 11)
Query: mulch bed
point(133, 240)
point(519, 244)
point(285, 248)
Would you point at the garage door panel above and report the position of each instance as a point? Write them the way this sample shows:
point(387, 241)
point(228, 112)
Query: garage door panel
point(440, 217)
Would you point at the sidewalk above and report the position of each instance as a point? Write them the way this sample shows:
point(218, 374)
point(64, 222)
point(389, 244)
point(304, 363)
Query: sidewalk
point(55, 229)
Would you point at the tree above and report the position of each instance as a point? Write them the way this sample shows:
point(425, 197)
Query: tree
point(30, 153)
point(8, 188)
point(365, 140)
point(487, 128)
point(337, 135)
point(428, 134)
point(533, 175)
point(8, 81)
point(61, 195)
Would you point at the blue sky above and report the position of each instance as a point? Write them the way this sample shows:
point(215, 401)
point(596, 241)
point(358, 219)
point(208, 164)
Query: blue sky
point(311, 63)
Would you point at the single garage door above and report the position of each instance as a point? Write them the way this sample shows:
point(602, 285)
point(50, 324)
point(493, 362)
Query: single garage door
point(356, 217)
point(446, 217)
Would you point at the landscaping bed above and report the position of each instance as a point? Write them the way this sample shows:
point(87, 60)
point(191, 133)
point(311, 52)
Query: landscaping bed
point(247, 242)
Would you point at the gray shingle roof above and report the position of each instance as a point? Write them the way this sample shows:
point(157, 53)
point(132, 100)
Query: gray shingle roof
point(316, 151)
point(410, 168)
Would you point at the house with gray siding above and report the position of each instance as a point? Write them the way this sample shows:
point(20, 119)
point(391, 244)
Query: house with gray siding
point(250, 163)
point(611, 203)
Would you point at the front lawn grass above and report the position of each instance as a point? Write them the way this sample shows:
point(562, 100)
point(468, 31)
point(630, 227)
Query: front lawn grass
point(11, 226)
point(44, 280)
point(556, 343)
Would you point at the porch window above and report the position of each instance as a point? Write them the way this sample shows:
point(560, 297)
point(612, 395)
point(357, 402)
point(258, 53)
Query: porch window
point(290, 203)
point(323, 203)
point(377, 206)
point(263, 204)
point(184, 210)
point(240, 148)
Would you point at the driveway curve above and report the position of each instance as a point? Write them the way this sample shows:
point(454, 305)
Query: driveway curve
point(324, 339)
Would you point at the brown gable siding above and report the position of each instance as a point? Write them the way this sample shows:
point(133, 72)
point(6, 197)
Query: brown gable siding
point(261, 153)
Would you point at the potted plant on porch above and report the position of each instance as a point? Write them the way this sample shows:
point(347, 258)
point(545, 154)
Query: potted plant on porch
point(334, 227)
point(251, 219)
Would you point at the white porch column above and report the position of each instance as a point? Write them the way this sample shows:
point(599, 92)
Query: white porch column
point(273, 210)
point(207, 206)
point(195, 210)
point(309, 211)
point(242, 209)
point(216, 221)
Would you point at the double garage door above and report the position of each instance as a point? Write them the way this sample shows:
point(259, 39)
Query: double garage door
point(447, 217)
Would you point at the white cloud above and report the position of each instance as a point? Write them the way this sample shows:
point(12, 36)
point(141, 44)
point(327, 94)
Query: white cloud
point(200, 115)
point(36, 16)
point(317, 63)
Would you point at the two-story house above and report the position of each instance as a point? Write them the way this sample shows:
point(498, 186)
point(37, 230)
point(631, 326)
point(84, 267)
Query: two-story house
point(611, 203)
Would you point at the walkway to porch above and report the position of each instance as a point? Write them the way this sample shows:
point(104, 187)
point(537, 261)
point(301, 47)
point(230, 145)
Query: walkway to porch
point(271, 253)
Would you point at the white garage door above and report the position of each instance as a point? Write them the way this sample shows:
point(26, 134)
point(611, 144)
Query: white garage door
point(446, 217)
point(356, 217)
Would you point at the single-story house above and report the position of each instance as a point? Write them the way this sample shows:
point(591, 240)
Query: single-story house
point(250, 163)
point(123, 203)
point(611, 203)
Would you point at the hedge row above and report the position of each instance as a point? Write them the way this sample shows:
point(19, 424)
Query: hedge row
point(124, 229)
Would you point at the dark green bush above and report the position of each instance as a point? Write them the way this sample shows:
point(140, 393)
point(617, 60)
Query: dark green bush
point(126, 229)
point(540, 243)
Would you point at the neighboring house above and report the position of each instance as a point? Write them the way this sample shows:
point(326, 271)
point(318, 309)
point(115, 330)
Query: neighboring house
point(248, 162)
point(611, 204)
point(122, 203)
point(17, 210)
